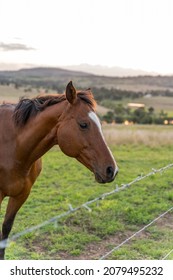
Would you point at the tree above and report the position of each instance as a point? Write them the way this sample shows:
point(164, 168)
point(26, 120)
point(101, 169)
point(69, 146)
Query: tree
point(109, 117)
point(151, 110)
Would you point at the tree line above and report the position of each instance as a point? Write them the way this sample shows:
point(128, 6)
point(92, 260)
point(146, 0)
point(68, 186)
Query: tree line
point(122, 114)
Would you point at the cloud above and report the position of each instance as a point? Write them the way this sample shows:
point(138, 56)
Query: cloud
point(14, 47)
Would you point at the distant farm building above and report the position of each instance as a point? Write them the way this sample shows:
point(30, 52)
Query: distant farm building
point(136, 105)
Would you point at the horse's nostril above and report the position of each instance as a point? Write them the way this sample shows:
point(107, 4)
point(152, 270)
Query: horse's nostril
point(110, 171)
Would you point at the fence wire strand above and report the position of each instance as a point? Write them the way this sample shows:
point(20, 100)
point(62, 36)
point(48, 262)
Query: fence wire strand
point(5, 243)
point(167, 255)
point(136, 233)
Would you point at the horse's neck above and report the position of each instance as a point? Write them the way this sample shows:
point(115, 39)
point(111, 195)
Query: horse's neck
point(39, 135)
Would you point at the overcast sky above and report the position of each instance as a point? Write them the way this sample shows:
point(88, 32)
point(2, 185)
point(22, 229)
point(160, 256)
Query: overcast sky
point(127, 33)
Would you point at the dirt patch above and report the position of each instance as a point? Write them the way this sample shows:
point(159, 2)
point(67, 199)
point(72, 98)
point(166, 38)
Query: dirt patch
point(96, 250)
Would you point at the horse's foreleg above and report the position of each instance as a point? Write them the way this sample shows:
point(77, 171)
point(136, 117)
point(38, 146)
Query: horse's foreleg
point(13, 206)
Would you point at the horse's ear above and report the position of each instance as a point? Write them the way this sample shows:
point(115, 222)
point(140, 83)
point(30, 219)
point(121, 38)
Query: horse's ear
point(70, 93)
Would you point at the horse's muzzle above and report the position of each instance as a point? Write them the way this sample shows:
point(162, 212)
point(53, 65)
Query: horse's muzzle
point(108, 177)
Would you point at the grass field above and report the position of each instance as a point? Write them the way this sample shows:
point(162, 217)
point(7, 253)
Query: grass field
point(89, 235)
point(12, 94)
point(148, 135)
point(159, 103)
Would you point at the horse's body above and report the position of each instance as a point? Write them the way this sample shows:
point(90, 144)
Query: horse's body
point(30, 128)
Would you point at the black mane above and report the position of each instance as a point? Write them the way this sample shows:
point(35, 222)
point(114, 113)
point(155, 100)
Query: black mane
point(28, 108)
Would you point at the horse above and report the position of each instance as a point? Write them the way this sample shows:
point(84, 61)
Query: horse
point(31, 127)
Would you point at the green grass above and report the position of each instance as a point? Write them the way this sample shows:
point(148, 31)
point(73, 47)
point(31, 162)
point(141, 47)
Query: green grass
point(64, 181)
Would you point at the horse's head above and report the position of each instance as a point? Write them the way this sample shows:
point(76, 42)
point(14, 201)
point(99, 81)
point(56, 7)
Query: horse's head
point(80, 135)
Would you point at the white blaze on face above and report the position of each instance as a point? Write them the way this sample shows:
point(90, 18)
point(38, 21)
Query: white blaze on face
point(95, 119)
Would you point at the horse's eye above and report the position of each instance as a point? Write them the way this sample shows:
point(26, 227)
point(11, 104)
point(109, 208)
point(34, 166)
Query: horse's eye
point(83, 125)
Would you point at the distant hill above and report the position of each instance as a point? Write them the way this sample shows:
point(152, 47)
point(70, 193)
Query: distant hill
point(58, 78)
point(45, 76)
point(109, 71)
point(100, 70)
point(42, 72)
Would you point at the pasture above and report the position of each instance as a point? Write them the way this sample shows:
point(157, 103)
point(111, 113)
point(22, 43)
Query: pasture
point(90, 234)
point(12, 94)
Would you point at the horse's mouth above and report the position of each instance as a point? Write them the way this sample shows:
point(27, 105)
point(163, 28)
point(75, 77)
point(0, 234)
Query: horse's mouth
point(101, 180)
point(100, 177)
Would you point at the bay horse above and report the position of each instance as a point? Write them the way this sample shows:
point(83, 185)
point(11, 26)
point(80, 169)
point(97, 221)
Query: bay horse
point(33, 126)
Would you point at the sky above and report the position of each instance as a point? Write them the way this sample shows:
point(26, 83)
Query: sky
point(135, 34)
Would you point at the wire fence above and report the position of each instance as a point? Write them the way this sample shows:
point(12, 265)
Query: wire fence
point(5, 243)
point(136, 233)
